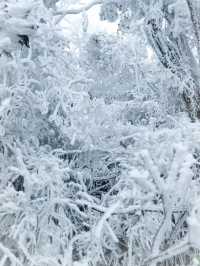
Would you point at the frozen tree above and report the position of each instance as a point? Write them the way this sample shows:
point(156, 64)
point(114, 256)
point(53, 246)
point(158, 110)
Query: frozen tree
point(171, 30)
point(34, 63)
point(99, 159)
point(173, 43)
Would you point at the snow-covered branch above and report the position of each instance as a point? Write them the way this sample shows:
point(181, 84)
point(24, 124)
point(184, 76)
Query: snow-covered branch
point(76, 10)
point(173, 251)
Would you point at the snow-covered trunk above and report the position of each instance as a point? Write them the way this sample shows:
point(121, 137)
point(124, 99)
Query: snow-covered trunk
point(194, 9)
point(174, 53)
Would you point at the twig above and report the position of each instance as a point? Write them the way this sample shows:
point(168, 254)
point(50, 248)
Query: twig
point(175, 250)
point(75, 11)
point(10, 255)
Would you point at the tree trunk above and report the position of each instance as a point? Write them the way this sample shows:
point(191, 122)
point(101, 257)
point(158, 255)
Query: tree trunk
point(175, 54)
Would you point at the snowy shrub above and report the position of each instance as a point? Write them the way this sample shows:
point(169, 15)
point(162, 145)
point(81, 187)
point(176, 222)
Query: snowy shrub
point(99, 144)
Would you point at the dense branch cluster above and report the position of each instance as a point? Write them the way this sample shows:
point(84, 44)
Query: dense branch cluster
point(99, 144)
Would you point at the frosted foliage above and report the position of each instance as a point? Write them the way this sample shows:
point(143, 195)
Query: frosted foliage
point(109, 12)
point(99, 134)
point(50, 3)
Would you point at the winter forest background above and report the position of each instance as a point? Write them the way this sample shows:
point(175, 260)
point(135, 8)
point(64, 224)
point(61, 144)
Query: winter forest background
point(99, 133)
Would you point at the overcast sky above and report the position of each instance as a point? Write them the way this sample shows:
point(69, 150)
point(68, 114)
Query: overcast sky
point(95, 24)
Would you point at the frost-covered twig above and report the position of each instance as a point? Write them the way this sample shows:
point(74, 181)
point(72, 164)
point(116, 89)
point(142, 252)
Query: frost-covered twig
point(78, 10)
point(10, 255)
point(175, 250)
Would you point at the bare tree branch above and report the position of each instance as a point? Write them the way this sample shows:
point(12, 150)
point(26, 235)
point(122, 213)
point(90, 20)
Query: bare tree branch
point(175, 250)
point(77, 10)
